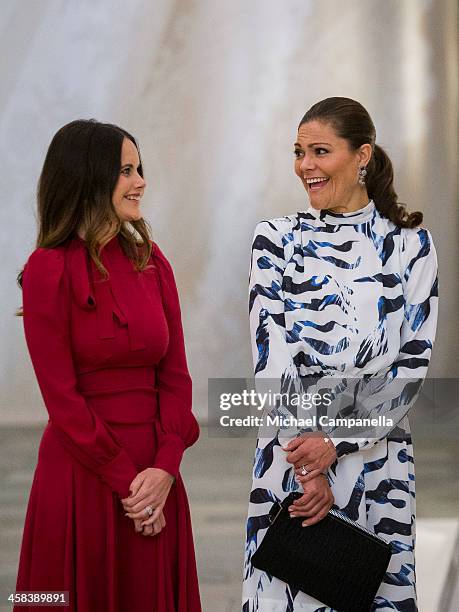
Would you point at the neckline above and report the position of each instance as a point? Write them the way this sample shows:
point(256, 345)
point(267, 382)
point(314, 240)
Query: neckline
point(349, 218)
point(113, 240)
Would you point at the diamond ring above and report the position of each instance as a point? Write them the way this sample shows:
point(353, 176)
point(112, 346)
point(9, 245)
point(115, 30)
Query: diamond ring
point(304, 471)
point(148, 510)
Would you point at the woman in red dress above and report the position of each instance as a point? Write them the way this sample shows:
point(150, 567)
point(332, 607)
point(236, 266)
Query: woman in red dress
point(108, 518)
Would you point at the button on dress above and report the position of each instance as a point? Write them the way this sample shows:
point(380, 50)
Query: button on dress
point(110, 362)
point(353, 297)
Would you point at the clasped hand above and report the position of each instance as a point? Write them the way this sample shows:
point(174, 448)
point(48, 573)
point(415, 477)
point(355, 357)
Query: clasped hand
point(312, 454)
point(149, 488)
point(312, 451)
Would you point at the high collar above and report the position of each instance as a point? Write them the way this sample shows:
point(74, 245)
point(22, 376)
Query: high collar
point(112, 242)
point(350, 218)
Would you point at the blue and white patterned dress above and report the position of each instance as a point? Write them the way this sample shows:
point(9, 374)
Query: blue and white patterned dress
point(349, 295)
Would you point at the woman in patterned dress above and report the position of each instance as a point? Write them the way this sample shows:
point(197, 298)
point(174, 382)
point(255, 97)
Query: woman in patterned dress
point(346, 289)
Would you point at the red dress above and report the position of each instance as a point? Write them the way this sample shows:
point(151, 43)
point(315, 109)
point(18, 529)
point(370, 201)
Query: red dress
point(110, 361)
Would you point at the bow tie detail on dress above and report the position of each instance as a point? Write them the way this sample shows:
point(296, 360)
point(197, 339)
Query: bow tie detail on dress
point(110, 297)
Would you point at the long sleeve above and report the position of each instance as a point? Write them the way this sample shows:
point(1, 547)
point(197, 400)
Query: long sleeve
point(47, 331)
point(274, 368)
point(395, 391)
point(177, 428)
point(271, 357)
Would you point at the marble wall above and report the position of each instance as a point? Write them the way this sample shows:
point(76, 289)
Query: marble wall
point(214, 91)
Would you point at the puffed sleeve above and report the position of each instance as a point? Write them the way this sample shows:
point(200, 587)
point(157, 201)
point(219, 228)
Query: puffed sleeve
point(47, 331)
point(177, 428)
point(397, 389)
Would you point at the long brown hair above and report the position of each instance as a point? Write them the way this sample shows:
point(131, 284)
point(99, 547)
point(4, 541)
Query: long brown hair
point(351, 121)
point(75, 190)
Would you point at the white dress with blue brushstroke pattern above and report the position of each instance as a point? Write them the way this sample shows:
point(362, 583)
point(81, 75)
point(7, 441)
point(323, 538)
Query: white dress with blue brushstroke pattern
point(344, 295)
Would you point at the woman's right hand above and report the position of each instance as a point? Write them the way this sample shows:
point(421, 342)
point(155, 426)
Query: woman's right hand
point(315, 502)
point(150, 530)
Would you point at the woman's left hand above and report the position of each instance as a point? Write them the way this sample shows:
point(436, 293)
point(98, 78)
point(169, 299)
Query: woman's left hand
point(313, 452)
point(155, 528)
point(149, 488)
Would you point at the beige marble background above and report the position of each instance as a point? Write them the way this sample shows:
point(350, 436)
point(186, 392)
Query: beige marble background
point(214, 91)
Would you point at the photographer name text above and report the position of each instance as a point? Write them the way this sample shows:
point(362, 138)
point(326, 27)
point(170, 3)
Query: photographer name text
point(289, 421)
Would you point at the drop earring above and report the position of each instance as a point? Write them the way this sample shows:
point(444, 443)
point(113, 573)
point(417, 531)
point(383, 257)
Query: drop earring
point(362, 175)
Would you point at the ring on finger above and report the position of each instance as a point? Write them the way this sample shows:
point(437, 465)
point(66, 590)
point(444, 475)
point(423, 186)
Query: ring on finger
point(304, 471)
point(148, 511)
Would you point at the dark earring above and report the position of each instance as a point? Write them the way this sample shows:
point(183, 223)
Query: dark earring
point(362, 175)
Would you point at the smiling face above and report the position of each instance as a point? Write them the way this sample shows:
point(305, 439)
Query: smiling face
point(130, 186)
point(329, 169)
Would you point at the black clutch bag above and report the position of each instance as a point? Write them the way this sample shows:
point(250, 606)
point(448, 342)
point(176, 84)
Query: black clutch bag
point(336, 561)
